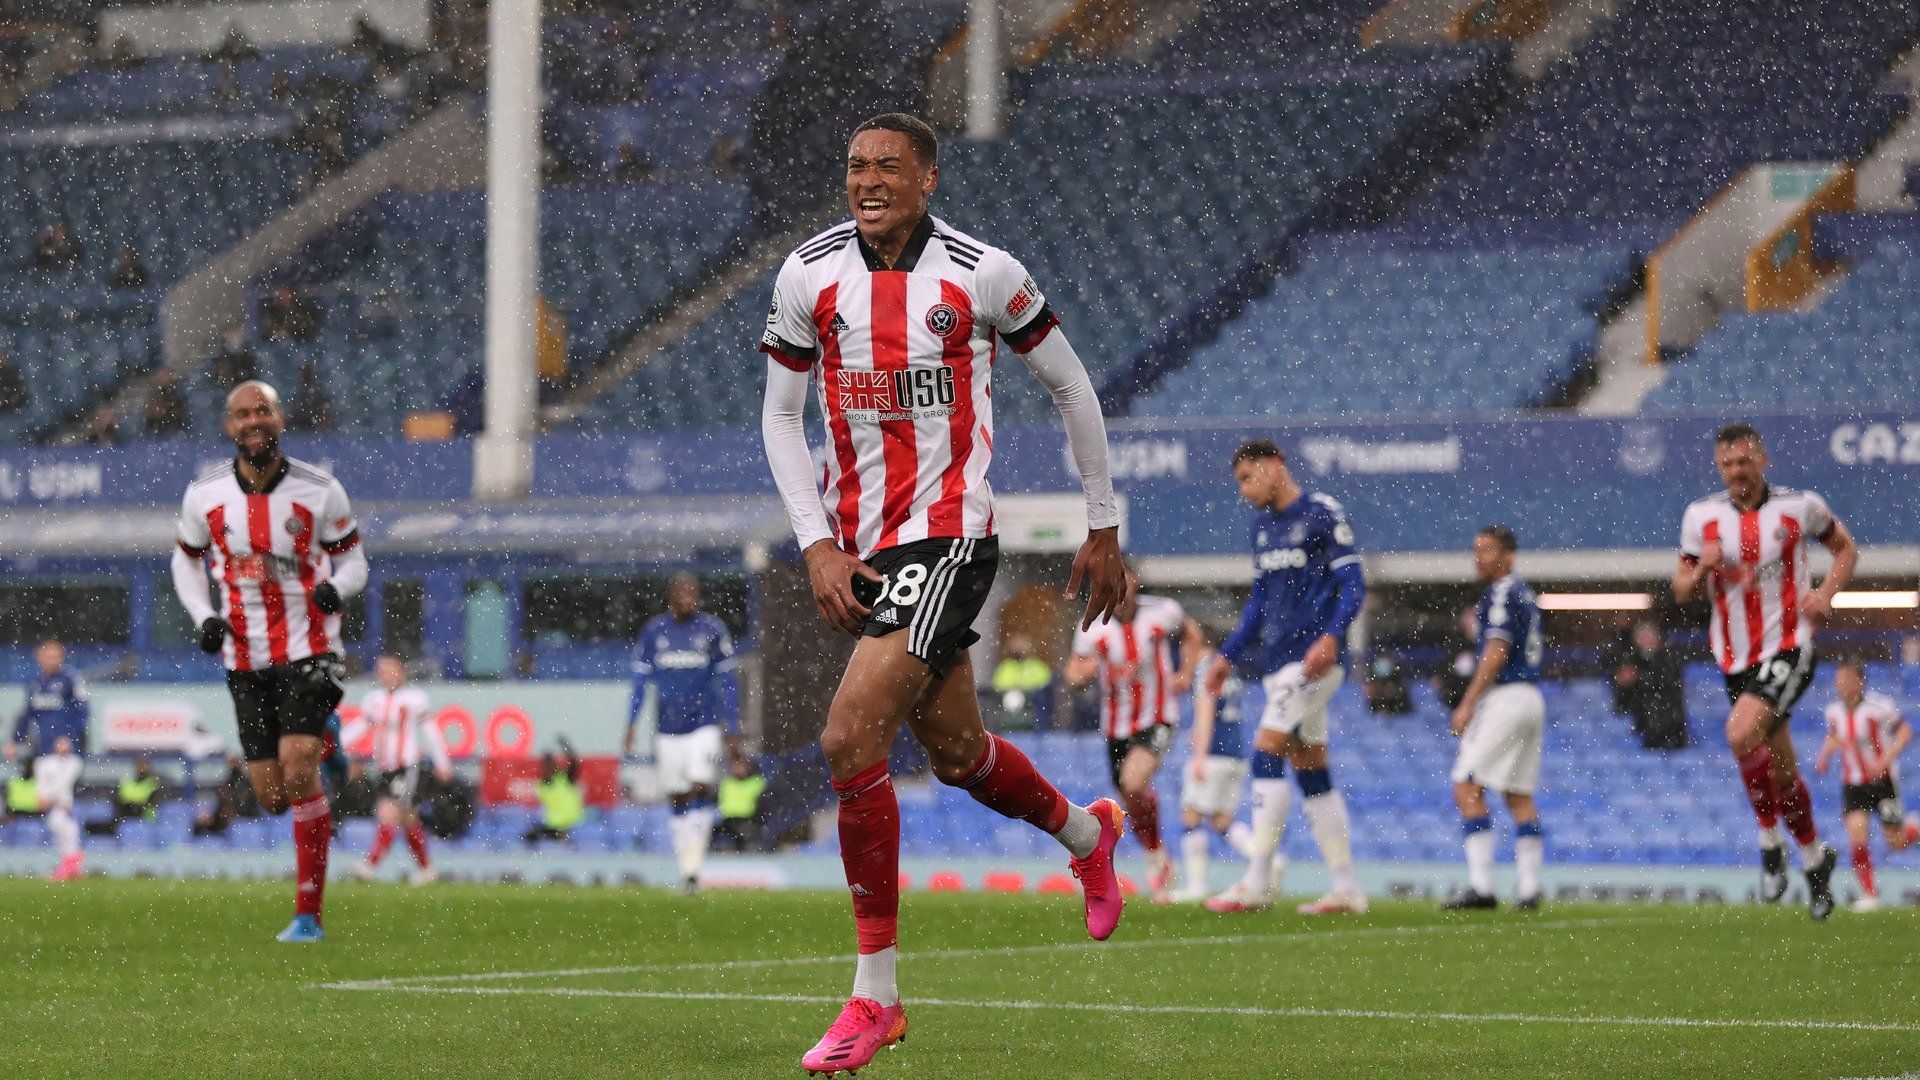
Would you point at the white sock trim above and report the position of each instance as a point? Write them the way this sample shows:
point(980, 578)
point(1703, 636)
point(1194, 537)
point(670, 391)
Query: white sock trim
point(875, 977)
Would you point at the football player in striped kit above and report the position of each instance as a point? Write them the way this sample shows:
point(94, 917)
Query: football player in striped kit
point(897, 317)
point(1866, 731)
point(286, 555)
point(1745, 548)
point(400, 715)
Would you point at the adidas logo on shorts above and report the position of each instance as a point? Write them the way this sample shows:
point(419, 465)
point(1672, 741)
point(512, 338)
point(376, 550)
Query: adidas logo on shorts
point(890, 616)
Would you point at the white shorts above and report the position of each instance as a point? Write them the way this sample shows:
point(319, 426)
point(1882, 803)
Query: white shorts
point(685, 762)
point(1501, 747)
point(1298, 707)
point(1218, 792)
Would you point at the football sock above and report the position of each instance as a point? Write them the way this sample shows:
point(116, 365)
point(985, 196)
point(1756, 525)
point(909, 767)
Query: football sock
point(65, 830)
point(417, 843)
point(1910, 829)
point(1004, 781)
point(1327, 815)
point(1478, 832)
point(1081, 834)
point(1144, 811)
point(700, 838)
point(1193, 856)
point(1272, 798)
point(1771, 838)
point(1863, 868)
point(312, 833)
point(1529, 851)
point(1756, 775)
point(873, 976)
point(870, 855)
point(382, 840)
point(678, 832)
point(1796, 809)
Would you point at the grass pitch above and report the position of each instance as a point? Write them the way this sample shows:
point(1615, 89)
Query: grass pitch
point(185, 978)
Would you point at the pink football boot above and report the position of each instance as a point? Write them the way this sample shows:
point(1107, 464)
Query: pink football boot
point(1097, 879)
point(864, 1029)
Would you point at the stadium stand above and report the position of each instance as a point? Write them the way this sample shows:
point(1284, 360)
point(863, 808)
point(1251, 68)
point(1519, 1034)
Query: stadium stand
point(1856, 346)
point(1663, 107)
point(1445, 319)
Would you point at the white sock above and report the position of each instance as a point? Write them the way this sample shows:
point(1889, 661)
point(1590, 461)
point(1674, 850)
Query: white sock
point(1081, 834)
point(1480, 862)
point(1771, 840)
point(1528, 853)
point(65, 830)
point(873, 976)
point(1811, 854)
point(1272, 798)
point(699, 838)
point(1327, 813)
point(1237, 834)
point(1193, 856)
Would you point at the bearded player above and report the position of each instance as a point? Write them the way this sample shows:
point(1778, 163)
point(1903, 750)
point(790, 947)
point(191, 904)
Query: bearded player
point(1746, 547)
point(898, 317)
point(285, 554)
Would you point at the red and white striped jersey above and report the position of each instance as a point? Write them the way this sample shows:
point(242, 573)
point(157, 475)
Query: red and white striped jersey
point(902, 358)
point(1863, 733)
point(401, 728)
point(1136, 665)
point(269, 550)
point(1756, 600)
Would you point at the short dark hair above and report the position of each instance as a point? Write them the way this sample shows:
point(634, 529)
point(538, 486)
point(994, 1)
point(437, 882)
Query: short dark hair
point(1853, 662)
point(1733, 433)
point(1503, 536)
point(1258, 450)
point(919, 135)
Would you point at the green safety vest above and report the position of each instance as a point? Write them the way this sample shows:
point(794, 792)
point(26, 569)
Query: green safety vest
point(1025, 676)
point(740, 798)
point(139, 793)
point(23, 795)
point(561, 803)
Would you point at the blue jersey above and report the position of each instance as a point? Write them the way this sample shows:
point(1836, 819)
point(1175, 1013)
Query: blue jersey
point(1509, 613)
point(1306, 584)
point(56, 706)
point(1229, 735)
point(691, 664)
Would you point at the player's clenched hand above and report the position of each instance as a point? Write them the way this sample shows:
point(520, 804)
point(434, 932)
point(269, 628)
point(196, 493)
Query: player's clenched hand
point(1320, 658)
point(1712, 555)
point(1462, 716)
point(1198, 768)
point(1815, 606)
point(832, 572)
point(1098, 564)
point(213, 634)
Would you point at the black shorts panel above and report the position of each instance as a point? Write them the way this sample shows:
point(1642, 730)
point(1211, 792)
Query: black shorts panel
point(286, 699)
point(1156, 738)
point(1880, 798)
point(1778, 680)
point(401, 785)
point(934, 589)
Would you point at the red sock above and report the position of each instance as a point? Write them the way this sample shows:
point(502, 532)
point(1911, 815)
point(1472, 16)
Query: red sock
point(1796, 807)
point(1911, 830)
point(1756, 774)
point(870, 854)
point(1005, 782)
point(312, 832)
point(417, 840)
point(1144, 812)
point(1863, 868)
point(382, 840)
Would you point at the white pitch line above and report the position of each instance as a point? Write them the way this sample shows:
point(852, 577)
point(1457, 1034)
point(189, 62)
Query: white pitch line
point(973, 953)
point(1181, 1010)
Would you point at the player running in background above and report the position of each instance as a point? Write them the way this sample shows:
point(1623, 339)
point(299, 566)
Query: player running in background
point(1868, 733)
point(898, 317)
point(55, 774)
point(399, 715)
point(1215, 771)
point(1140, 689)
point(1501, 722)
point(686, 657)
point(286, 555)
point(56, 706)
point(1747, 548)
point(1307, 589)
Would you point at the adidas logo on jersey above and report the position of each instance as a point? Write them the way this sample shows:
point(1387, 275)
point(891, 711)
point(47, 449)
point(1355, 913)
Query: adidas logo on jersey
point(838, 325)
point(890, 616)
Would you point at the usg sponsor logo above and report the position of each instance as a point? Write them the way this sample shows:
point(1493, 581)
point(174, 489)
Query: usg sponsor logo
point(1342, 455)
point(1876, 444)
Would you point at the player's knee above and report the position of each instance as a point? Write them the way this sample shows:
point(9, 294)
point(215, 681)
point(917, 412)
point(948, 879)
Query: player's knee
point(388, 813)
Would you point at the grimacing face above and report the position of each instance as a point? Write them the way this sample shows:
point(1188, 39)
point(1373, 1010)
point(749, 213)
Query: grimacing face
point(887, 182)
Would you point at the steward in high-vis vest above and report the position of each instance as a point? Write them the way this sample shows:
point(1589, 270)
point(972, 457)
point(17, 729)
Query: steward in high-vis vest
point(562, 805)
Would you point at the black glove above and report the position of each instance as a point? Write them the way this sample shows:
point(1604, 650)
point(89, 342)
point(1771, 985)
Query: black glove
point(213, 633)
point(326, 598)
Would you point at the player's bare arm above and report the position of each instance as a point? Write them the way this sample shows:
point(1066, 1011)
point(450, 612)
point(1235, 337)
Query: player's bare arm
point(1846, 558)
point(1825, 756)
point(1081, 670)
point(1217, 675)
point(1693, 570)
point(1491, 662)
point(1192, 646)
point(1206, 704)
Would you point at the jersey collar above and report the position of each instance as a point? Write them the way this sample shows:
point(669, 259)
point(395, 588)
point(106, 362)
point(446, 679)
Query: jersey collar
point(909, 255)
point(273, 479)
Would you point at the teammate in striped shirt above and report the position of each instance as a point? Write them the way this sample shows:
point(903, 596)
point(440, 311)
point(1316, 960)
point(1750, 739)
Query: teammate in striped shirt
point(404, 733)
point(285, 554)
point(897, 318)
point(1867, 731)
point(1747, 549)
point(1140, 690)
